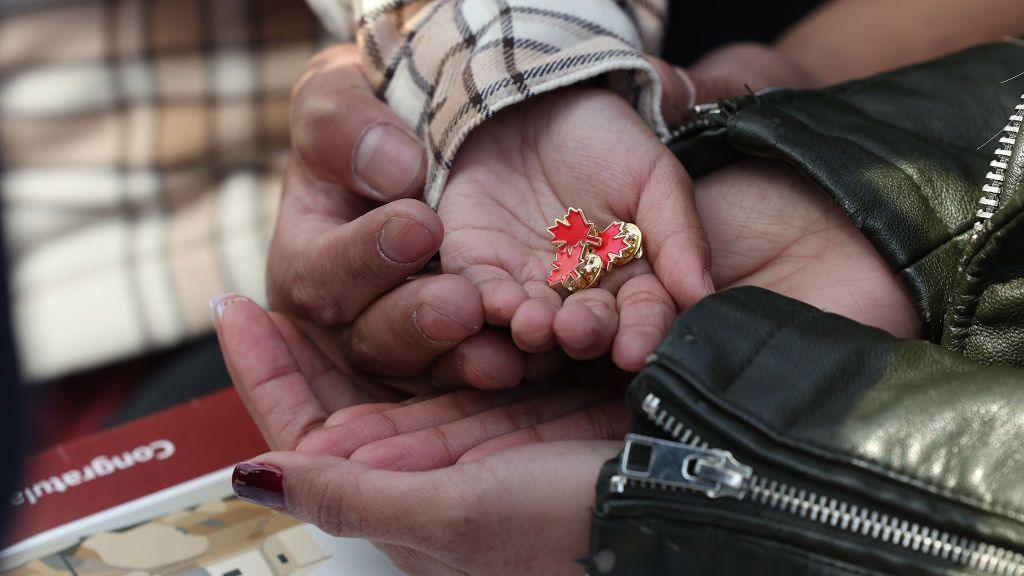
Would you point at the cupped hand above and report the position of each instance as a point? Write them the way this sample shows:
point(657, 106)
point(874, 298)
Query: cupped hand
point(461, 490)
point(522, 511)
point(585, 148)
point(770, 226)
point(302, 400)
point(340, 260)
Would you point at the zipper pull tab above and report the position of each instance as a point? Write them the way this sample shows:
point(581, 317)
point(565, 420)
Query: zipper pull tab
point(714, 472)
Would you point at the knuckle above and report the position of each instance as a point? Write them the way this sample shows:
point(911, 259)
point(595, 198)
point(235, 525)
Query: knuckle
point(645, 308)
point(362, 347)
point(299, 292)
point(313, 112)
point(325, 506)
point(328, 508)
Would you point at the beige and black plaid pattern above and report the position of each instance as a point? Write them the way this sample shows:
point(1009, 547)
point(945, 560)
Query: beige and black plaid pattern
point(447, 65)
point(142, 141)
point(141, 148)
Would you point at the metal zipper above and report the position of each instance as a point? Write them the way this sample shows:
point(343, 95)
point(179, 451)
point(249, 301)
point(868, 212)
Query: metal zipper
point(703, 117)
point(709, 114)
point(689, 463)
point(992, 191)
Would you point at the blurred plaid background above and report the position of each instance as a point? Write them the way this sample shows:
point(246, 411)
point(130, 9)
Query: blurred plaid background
point(141, 146)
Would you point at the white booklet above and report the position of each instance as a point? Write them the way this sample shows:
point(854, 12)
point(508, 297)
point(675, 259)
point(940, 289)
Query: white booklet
point(196, 527)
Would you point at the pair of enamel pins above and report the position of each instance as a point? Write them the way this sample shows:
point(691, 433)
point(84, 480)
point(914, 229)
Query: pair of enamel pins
point(583, 255)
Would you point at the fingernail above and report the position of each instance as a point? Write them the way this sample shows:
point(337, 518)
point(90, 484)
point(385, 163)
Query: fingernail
point(219, 303)
point(709, 284)
point(259, 483)
point(690, 101)
point(387, 160)
point(404, 240)
point(437, 326)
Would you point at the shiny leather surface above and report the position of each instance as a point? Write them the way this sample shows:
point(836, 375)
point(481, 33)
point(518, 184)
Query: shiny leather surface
point(899, 153)
point(912, 427)
point(986, 318)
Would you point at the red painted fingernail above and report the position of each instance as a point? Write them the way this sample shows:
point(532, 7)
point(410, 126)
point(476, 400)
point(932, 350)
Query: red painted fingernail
point(259, 483)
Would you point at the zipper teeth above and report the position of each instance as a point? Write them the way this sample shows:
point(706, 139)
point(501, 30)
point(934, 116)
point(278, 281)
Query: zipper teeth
point(829, 511)
point(694, 125)
point(992, 191)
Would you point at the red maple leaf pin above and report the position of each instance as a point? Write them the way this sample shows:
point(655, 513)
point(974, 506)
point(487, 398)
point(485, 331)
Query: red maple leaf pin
point(613, 243)
point(568, 263)
point(573, 229)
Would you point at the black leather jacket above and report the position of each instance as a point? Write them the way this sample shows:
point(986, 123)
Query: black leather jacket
point(815, 445)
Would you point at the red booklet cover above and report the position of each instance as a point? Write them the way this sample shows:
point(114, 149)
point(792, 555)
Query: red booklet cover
point(90, 474)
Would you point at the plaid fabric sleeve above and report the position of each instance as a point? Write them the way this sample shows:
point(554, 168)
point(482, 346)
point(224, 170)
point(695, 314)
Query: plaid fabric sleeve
point(446, 66)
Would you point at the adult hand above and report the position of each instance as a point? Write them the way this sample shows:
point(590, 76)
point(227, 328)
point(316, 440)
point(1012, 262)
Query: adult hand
point(537, 501)
point(522, 511)
point(339, 261)
point(304, 401)
point(772, 227)
point(768, 226)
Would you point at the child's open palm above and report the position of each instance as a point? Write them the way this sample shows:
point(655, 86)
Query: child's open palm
point(584, 148)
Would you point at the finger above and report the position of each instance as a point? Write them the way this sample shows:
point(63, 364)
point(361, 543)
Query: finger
point(332, 389)
point(443, 445)
point(328, 273)
point(604, 421)
point(343, 133)
point(646, 312)
point(742, 67)
point(406, 330)
point(673, 236)
point(713, 78)
point(447, 510)
point(501, 294)
point(533, 326)
point(585, 326)
point(265, 373)
point(488, 360)
point(350, 413)
point(678, 91)
point(342, 435)
point(341, 497)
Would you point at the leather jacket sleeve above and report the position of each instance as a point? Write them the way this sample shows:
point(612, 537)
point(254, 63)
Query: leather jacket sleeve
point(854, 452)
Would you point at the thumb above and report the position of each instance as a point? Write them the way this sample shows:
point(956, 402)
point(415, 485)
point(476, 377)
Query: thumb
point(344, 498)
point(344, 135)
